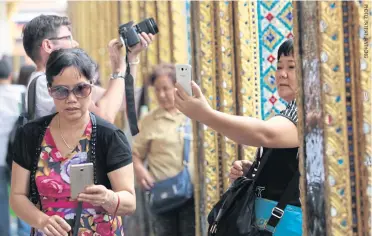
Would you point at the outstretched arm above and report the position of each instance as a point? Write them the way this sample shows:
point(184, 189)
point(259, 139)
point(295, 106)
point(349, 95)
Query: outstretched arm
point(278, 132)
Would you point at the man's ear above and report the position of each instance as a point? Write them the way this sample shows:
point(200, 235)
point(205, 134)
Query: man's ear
point(47, 46)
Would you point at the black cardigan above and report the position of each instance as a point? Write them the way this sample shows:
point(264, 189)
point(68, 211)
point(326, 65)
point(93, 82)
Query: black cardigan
point(110, 149)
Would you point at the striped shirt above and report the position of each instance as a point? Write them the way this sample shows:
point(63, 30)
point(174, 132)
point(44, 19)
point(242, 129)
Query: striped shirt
point(290, 112)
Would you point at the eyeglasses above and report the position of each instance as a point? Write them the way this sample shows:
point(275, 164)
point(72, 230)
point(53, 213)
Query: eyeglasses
point(62, 92)
point(63, 37)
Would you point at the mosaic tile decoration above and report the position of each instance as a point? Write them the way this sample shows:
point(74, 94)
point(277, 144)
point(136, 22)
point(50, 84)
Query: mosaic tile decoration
point(274, 27)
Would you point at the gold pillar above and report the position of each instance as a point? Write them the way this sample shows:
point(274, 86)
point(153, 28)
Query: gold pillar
point(247, 64)
point(226, 82)
point(164, 38)
point(365, 71)
point(153, 52)
point(179, 31)
point(208, 84)
point(336, 147)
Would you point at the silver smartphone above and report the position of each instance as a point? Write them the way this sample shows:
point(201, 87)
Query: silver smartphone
point(81, 176)
point(183, 77)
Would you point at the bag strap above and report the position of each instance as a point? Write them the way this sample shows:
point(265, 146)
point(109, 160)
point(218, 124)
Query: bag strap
point(278, 210)
point(187, 141)
point(31, 98)
point(129, 97)
point(23, 97)
point(262, 158)
point(90, 158)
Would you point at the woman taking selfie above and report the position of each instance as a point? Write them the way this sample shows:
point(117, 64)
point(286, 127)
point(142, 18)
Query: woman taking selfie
point(276, 137)
point(48, 147)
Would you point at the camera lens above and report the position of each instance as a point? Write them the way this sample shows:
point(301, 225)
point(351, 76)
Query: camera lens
point(182, 69)
point(153, 26)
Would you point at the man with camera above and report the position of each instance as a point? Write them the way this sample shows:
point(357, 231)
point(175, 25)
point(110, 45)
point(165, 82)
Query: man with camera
point(46, 33)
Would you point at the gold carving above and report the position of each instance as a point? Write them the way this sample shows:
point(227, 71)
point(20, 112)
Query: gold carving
point(208, 84)
point(226, 82)
point(248, 67)
point(365, 55)
point(336, 143)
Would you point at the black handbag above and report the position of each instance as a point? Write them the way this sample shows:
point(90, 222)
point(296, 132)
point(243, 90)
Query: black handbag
point(234, 213)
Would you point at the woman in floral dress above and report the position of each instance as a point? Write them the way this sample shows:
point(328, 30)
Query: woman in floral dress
point(47, 147)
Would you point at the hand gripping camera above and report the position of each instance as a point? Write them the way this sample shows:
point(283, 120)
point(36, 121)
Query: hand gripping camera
point(129, 32)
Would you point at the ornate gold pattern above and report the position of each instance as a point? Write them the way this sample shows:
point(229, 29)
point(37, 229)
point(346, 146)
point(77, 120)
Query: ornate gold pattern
point(208, 84)
point(365, 53)
point(336, 143)
point(248, 66)
point(226, 82)
point(179, 31)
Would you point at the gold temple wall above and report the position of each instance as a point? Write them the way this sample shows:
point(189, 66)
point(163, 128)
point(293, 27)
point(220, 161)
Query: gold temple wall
point(335, 133)
point(226, 41)
point(341, 66)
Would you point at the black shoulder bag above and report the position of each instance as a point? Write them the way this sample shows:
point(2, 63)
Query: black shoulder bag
point(234, 214)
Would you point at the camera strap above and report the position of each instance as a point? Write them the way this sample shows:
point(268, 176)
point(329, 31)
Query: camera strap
point(129, 97)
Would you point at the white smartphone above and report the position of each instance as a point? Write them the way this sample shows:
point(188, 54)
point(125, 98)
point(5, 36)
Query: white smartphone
point(81, 176)
point(183, 77)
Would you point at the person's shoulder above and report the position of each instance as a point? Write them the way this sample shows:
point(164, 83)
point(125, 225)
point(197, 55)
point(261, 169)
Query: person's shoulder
point(40, 78)
point(104, 125)
point(151, 116)
point(290, 112)
point(37, 125)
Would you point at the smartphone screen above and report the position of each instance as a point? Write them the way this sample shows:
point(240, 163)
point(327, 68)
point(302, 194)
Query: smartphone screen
point(81, 176)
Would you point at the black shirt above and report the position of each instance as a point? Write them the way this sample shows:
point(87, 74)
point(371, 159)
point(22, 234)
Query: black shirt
point(112, 148)
point(280, 167)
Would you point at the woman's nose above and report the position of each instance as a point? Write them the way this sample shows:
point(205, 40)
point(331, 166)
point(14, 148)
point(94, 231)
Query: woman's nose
point(283, 74)
point(162, 94)
point(71, 97)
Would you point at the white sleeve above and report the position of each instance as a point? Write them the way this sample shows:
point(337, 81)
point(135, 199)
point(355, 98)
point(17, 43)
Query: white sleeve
point(44, 102)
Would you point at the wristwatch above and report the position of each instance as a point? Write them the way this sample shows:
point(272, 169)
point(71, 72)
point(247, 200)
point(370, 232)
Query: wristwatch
point(117, 75)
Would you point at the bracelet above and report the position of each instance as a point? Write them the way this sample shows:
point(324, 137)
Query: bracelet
point(135, 62)
point(117, 75)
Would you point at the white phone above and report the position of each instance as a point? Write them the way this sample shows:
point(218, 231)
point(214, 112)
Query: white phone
point(81, 176)
point(183, 77)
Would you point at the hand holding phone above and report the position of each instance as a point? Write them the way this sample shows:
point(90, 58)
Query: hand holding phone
point(183, 77)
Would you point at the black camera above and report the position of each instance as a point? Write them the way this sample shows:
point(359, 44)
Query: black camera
point(129, 32)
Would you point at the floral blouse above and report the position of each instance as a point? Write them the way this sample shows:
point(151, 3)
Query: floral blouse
point(53, 184)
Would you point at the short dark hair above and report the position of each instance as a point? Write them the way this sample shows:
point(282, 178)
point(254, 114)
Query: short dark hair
point(286, 49)
point(63, 58)
point(4, 69)
point(167, 69)
point(40, 28)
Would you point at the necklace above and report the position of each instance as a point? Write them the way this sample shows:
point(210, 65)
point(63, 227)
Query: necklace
point(60, 133)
